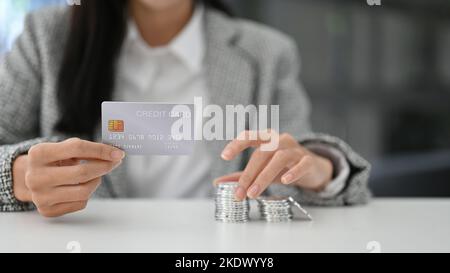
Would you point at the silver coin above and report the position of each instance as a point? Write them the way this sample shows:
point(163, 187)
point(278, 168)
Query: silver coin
point(228, 209)
point(275, 208)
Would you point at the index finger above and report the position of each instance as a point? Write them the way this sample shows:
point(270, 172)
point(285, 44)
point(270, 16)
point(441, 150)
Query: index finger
point(79, 149)
point(244, 141)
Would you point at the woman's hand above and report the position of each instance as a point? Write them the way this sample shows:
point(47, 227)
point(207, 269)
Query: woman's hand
point(290, 164)
point(59, 178)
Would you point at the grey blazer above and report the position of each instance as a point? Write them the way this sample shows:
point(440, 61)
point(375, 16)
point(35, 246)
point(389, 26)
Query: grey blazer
point(246, 63)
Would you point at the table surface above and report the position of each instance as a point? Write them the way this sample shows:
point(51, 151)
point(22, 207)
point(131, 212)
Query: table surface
point(386, 225)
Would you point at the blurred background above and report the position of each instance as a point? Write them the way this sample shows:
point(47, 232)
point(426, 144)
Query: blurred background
point(378, 77)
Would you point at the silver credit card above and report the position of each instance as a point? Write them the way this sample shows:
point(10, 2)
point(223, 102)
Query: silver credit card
point(148, 128)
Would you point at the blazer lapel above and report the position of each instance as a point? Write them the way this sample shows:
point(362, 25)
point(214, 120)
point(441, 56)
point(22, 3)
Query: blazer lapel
point(231, 78)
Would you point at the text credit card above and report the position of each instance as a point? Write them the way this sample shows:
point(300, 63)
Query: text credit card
point(148, 128)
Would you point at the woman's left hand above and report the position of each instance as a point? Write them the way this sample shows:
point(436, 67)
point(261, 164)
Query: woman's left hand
point(290, 164)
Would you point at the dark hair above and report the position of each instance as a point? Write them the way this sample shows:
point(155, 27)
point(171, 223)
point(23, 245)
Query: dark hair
point(86, 77)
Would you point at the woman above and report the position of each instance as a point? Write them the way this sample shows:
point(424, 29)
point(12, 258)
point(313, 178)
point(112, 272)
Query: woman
point(69, 60)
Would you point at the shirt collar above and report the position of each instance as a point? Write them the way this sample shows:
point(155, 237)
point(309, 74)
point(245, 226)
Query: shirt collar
point(188, 45)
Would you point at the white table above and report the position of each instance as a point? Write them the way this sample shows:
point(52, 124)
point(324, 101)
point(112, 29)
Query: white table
point(408, 225)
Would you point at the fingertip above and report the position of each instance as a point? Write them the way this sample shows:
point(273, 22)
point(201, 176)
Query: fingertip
point(265, 135)
point(287, 179)
point(117, 155)
point(253, 192)
point(227, 155)
point(240, 194)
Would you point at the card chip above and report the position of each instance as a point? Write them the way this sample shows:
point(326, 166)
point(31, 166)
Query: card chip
point(116, 126)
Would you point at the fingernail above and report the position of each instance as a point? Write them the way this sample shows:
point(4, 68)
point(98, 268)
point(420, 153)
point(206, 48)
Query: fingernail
point(117, 155)
point(253, 191)
point(287, 178)
point(240, 194)
point(226, 155)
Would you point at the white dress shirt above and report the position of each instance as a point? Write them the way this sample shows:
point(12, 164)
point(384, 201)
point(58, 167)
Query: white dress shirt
point(170, 74)
point(174, 74)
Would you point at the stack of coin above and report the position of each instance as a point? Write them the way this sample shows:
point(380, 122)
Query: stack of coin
point(228, 209)
point(275, 208)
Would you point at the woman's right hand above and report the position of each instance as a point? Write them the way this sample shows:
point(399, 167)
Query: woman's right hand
point(59, 178)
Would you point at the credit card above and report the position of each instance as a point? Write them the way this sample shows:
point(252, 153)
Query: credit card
point(148, 128)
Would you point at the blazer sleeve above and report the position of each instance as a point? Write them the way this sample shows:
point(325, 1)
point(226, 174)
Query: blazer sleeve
point(295, 119)
point(20, 89)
